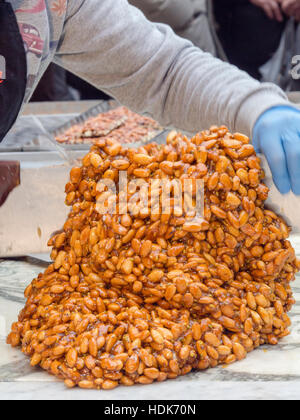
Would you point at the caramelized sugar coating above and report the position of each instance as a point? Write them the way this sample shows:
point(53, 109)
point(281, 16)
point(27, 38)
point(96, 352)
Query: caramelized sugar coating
point(147, 297)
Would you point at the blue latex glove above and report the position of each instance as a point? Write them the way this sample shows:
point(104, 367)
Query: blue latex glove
point(277, 135)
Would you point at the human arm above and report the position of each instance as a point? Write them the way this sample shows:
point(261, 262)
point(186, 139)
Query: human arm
point(146, 67)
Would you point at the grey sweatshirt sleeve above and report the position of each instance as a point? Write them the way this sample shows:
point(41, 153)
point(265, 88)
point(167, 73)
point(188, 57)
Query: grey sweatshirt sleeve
point(148, 68)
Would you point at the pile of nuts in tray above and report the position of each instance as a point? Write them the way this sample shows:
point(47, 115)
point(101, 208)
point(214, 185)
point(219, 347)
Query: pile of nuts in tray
point(118, 124)
point(133, 299)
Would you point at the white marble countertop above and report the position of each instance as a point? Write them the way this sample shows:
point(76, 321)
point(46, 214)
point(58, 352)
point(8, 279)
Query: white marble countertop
point(267, 373)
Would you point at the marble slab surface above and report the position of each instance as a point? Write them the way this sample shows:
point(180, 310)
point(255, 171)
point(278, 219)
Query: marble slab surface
point(267, 373)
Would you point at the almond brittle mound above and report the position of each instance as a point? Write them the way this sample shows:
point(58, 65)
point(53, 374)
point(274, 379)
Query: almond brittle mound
point(148, 296)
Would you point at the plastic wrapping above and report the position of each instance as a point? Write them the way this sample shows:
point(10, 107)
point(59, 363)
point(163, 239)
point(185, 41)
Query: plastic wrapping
point(32, 133)
point(288, 205)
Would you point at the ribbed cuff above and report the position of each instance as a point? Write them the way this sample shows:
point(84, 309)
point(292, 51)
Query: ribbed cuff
point(256, 104)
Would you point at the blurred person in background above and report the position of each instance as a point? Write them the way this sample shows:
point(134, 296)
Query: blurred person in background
point(250, 31)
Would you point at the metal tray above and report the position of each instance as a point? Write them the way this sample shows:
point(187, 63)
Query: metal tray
point(36, 133)
point(101, 108)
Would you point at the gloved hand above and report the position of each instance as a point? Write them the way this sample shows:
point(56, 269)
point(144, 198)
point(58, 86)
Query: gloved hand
point(277, 135)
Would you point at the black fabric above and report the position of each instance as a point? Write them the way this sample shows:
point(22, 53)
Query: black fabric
point(12, 90)
point(248, 36)
point(53, 86)
point(86, 90)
